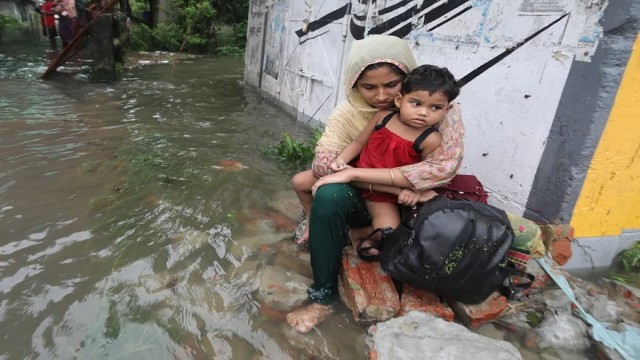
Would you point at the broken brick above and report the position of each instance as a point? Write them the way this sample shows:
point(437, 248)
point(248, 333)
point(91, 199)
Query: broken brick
point(371, 293)
point(425, 301)
point(561, 251)
point(475, 315)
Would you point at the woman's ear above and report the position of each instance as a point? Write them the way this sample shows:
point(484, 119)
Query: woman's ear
point(398, 100)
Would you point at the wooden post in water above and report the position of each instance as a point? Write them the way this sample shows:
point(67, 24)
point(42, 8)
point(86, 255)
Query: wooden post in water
point(70, 49)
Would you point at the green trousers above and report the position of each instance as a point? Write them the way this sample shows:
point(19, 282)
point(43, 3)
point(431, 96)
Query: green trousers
point(335, 209)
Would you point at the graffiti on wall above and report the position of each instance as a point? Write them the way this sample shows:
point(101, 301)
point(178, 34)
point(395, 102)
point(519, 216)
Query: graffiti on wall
point(420, 19)
point(397, 18)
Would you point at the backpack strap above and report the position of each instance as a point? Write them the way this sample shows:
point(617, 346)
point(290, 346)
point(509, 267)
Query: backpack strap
point(422, 137)
point(386, 120)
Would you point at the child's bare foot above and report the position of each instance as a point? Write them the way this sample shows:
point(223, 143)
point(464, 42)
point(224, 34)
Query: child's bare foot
point(307, 317)
point(358, 235)
point(367, 246)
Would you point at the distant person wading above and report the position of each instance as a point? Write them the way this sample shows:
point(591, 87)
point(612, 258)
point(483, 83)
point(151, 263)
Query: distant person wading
point(48, 22)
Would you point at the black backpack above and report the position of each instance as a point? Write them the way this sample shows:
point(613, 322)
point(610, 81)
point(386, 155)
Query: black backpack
point(454, 247)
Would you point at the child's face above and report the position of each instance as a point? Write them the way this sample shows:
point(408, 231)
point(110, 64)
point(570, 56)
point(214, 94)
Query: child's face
point(379, 87)
point(421, 108)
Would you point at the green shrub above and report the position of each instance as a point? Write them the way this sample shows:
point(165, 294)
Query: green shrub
point(196, 26)
point(10, 23)
point(295, 151)
point(191, 30)
point(230, 51)
point(626, 266)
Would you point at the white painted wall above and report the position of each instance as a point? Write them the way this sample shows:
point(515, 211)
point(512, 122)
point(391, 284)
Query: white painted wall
point(508, 110)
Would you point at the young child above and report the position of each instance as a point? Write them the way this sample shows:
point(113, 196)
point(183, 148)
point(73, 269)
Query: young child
point(397, 138)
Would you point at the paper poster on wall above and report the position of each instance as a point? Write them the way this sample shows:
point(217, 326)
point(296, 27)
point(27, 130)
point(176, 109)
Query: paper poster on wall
point(273, 44)
point(542, 7)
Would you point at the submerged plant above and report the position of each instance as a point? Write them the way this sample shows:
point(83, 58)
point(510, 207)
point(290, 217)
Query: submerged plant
point(138, 164)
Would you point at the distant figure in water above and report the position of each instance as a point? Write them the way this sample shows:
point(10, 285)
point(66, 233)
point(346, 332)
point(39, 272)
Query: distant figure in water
point(48, 22)
point(67, 18)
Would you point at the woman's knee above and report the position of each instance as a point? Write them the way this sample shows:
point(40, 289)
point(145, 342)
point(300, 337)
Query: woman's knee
point(332, 198)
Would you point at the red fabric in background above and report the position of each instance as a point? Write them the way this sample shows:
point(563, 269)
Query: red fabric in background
point(47, 12)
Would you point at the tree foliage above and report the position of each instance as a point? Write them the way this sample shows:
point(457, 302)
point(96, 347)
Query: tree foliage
point(194, 27)
point(8, 23)
point(231, 12)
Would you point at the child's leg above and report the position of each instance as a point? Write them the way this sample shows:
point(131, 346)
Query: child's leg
point(382, 215)
point(302, 183)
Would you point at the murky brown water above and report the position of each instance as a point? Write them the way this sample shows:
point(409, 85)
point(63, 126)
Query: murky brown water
point(125, 210)
point(118, 209)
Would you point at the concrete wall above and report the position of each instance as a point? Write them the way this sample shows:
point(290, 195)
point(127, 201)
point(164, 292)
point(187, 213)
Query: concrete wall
point(14, 8)
point(551, 128)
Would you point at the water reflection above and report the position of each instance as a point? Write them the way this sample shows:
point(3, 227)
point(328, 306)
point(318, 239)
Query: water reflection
point(124, 207)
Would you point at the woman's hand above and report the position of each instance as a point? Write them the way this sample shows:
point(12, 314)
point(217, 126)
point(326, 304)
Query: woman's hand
point(408, 197)
point(342, 177)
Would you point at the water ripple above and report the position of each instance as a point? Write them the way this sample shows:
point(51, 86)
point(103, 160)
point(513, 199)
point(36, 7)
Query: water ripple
point(61, 244)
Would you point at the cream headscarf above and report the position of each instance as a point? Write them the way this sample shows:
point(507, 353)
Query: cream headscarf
point(351, 116)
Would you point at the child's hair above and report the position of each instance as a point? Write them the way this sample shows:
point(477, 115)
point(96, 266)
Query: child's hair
point(432, 79)
point(381, 65)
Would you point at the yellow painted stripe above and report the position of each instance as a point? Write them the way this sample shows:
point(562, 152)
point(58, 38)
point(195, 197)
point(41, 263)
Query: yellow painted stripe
point(610, 198)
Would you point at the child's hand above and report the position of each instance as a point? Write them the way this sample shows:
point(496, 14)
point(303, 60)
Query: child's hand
point(341, 177)
point(427, 195)
point(338, 165)
point(408, 197)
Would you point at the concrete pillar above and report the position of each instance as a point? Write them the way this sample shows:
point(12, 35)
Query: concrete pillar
point(104, 64)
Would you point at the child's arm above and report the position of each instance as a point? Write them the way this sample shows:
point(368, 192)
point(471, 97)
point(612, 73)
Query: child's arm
point(389, 177)
point(410, 197)
point(430, 144)
point(423, 195)
point(353, 149)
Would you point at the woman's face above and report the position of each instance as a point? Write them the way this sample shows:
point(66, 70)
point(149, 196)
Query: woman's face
point(379, 87)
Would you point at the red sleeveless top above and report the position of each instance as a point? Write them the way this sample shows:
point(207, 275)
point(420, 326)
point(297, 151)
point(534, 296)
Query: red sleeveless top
point(387, 150)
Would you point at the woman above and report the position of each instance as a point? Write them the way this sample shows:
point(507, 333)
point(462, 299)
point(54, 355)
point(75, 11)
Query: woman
point(372, 80)
point(67, 16)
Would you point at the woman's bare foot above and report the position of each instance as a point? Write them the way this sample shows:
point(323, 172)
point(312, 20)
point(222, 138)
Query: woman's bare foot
point(305, 235)
point(302, 232)
point(307, 317)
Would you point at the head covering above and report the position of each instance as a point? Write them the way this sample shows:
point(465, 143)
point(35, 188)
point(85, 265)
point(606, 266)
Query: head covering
point(374, 49)
point(350, 117)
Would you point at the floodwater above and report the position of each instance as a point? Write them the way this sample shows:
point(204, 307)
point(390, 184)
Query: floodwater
point(125, 210)
point(119, 204)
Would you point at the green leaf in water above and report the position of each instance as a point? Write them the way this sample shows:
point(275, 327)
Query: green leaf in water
point(112, 324)
point(533, 319)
